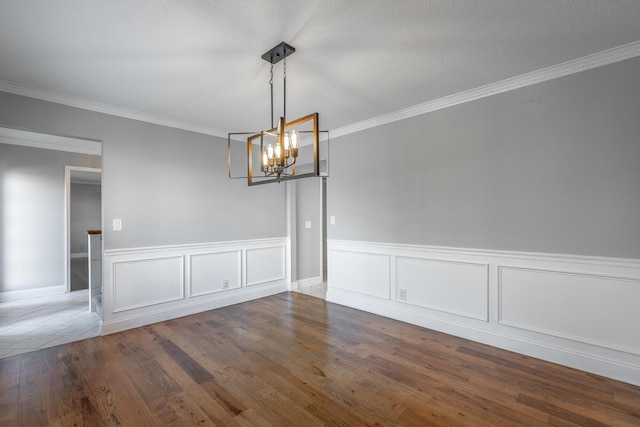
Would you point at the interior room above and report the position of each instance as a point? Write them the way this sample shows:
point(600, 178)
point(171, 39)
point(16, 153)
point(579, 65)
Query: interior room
point(455, 241)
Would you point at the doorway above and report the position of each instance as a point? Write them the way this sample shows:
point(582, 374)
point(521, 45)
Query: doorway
point(83, 213)
point(308, 235)
point(34, 240)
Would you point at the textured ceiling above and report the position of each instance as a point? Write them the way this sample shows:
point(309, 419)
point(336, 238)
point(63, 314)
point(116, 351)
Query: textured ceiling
point(198, 61)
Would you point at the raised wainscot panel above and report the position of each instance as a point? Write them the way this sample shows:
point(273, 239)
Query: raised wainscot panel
point(147, 282)
point(265, 265)
point(598, 310)
point(454, 287)
point(214, 272)
point(361, 272)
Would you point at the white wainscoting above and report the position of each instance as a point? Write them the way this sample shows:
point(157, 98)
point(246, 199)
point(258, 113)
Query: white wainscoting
point(148, 285)
point(364, 273)
point(577, 311)
point(209, 271)
point(598, 310)
point(265, 264)
point(147, 282)
point(450, 286)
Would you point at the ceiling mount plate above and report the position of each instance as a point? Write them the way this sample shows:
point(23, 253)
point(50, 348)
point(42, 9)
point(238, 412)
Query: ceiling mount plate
point(278, 53)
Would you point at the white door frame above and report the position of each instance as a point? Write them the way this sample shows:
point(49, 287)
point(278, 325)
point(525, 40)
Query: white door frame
point(67, 215)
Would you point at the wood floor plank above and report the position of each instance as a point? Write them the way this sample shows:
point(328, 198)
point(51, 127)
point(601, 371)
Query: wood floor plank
point(9, 405)
point(186, 362)
point(291, 359)
point(212, 401)
point(72, 398)
point(9, 392)
point(249, 418)
point(34, 396)
point(117, 398)
point(182, 410)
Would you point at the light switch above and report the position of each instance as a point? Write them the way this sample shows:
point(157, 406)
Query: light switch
point(117, 225)
point(307, 224)
point(333, 220)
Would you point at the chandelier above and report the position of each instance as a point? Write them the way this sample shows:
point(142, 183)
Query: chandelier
point(287, 150)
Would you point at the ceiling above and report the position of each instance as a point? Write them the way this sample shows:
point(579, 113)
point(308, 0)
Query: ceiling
point(197, 63)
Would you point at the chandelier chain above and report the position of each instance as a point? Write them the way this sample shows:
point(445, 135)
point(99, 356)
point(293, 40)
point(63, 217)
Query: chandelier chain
point(271, 85)
point(284, 75)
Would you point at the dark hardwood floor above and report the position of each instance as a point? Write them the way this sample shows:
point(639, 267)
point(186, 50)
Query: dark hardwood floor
point(294, 360)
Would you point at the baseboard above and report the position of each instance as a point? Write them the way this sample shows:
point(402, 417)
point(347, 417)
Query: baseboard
point(32, 293)
point(80, 255)
point(161, 315)
point(541, 305)
point(303, 283)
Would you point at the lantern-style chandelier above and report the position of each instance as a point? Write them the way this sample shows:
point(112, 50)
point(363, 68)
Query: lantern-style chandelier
point(288, 150)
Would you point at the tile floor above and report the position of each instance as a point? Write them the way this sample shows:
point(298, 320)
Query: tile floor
point(35, 323)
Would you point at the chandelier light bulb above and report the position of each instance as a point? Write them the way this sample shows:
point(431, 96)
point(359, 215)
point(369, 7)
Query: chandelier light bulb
point(294, 143)
point(270, 155)
point(287, 146)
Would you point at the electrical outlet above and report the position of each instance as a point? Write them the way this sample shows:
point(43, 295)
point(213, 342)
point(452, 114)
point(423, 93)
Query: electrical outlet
point(225, 284)
point(403, 294)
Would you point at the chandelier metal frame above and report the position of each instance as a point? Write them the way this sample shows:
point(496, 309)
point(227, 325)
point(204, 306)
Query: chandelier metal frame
point(279, 146)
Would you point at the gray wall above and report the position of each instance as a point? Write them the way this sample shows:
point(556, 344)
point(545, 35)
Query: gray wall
point(84, 215)
point(169, 186)
point(553, 167)
point(32, 215)
point(308, 241)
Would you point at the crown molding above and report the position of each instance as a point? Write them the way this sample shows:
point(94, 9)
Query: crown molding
point(86, 104)
point(606, 57)
point(50, 142)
